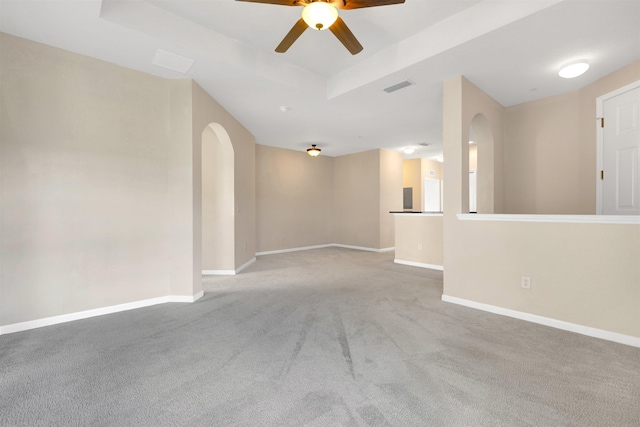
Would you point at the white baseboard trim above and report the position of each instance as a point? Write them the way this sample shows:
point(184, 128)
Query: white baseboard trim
point(218, 272)
point(572, 219)
point(185, 298)
point(329, 245)
point(419, 264)
point(228, 272)
point(284, 251)
point(64, 318)
point(546, 321)
point(362, 248)
point(245, 265)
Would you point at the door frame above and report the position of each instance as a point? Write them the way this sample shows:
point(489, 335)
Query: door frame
point(600, 139)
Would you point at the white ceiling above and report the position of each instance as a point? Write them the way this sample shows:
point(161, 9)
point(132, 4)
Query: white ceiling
point(511, 49)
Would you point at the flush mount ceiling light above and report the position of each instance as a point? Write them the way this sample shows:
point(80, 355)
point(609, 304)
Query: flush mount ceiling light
point(574, 69)
point(313, 151)
point(409, 150)
point(319, 15)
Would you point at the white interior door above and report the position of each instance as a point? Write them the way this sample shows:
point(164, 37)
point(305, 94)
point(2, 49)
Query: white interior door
point(431, 189)
point(621, 154)
point(473, 192)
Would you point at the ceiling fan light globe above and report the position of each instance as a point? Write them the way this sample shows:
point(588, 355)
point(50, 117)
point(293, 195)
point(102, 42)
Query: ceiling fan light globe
point(319, 15)
point(313, 151)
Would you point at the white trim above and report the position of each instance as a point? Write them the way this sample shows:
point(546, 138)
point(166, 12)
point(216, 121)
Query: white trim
point(546, 321)
point(330, 245)
point(245, 265)
point(419, 264)
point(573, 219)
point(218, 272)
point(362, 248)
point(600, 138)
point(418, 213)
point(282, 251)
point(185, 298)
point(70, 317)
point(228, 272)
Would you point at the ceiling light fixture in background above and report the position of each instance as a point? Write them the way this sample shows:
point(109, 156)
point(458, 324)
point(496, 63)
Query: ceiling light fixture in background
point(319, 15)
point(409, 150)
point(313, 151)
point(574, 69)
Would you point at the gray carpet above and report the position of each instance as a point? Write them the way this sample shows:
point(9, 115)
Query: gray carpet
point(329, 337)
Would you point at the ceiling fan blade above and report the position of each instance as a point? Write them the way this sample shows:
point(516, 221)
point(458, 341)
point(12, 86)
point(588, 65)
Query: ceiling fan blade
point(344, 34)
point(358, 4)
point(292, 36)
point(277, 2)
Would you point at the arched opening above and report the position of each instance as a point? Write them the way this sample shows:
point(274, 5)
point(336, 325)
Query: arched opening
point(481, 156)
point(473, 169)
point(218, 221)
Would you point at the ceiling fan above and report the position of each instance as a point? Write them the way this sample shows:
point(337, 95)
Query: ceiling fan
point(323, 14)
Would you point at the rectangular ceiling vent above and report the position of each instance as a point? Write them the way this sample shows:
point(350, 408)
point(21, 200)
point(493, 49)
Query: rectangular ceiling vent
point(398, 86)
point(172, 61)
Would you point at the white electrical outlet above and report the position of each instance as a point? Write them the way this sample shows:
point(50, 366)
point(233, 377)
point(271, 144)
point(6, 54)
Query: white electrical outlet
point(525, 282)
point(419, 246)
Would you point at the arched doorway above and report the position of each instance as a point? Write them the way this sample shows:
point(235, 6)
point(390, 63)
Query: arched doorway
point(218, 221)
point(480, 129)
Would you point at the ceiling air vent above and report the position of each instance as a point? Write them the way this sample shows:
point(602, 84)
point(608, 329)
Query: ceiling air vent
point(398, 86)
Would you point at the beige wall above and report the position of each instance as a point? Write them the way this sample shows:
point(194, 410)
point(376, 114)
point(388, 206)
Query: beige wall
point(419, 239)
point(357, 199)
point(206, 111)
point(543, 156)
point(428, 165)
point(184, 277)
point(585, 274)
point(550, 150)
point(366, 187)
point(294, 199)
point(487, 118)
point(85, 150)
point(218, 213)
point(100, 183)
point(350, 203)
point(390, 184)
point(412, 177)
point(414, 173)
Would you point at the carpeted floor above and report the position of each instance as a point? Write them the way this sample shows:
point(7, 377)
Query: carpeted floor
point(329, 337)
